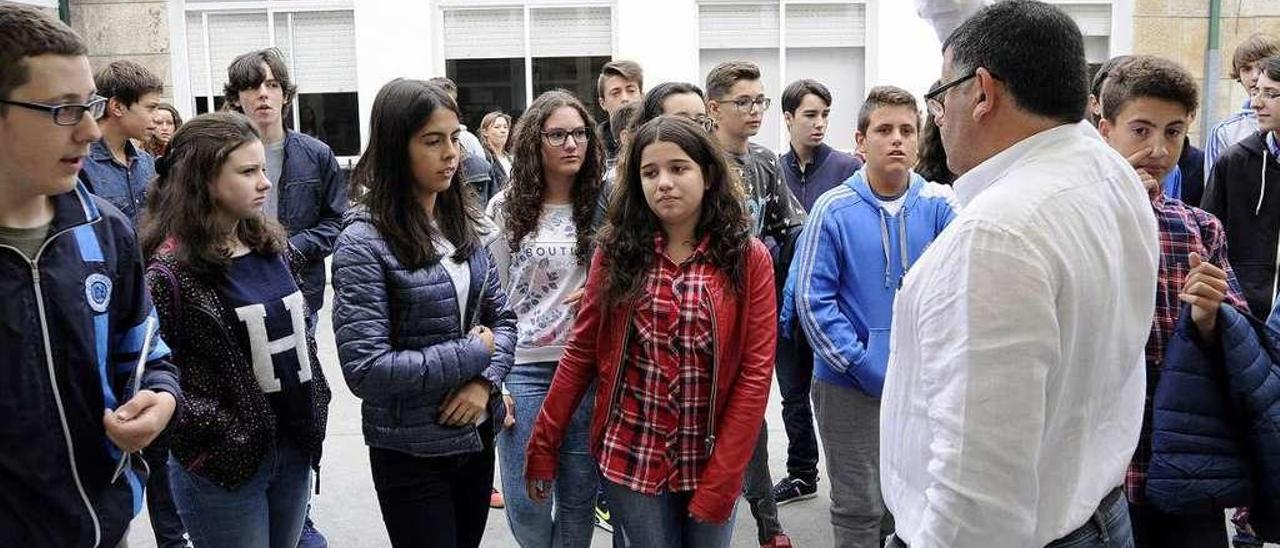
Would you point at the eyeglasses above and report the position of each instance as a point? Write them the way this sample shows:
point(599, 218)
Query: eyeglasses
point(558, 137)
point(708, 123)
point(68, 114)
point(1270, 94)
point(935, 99)
point(744, 104)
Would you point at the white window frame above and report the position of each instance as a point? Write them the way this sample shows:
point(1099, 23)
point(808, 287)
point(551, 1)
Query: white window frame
point(183, 95)
point(782, 37)
point(443, 6)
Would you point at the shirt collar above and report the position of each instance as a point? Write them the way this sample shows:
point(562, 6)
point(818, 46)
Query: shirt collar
point(100, 151)
point(978, 179)
point(1272, 145)
point(660, 246)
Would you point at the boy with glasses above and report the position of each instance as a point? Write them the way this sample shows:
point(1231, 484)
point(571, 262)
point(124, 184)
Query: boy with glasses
point(116, 169)
point(737, 103)
point(76, 324)
point(1014, 391)
point(1238, 195)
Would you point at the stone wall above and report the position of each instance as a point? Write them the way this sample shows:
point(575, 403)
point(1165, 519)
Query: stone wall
point(1179, 30)
point(137, 30)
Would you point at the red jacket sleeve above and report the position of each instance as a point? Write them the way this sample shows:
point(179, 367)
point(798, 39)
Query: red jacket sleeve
point(576, 370)
point(721, 482)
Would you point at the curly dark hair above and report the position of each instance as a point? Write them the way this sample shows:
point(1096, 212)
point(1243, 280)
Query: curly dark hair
point(524, 193)
point(384, 171)
point(180, 208)
point(626, 241)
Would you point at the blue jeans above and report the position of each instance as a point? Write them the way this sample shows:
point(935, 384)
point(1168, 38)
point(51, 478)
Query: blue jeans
point(662, 521)
point(266, 510)
point(565, 520)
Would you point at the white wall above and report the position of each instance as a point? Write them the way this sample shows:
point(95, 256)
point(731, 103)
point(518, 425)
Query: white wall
point(902, 49)
point(394, 38)
point(661, 35)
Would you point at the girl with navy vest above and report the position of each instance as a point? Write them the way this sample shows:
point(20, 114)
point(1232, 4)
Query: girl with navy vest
point(422, 327)
point(227, 289)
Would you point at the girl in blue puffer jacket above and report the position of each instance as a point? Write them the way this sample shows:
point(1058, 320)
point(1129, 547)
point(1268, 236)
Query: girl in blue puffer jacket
point(423, 330)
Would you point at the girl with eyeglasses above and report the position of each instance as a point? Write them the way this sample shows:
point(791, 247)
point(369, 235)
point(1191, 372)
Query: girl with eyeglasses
point(547, 217)
point(674, 342)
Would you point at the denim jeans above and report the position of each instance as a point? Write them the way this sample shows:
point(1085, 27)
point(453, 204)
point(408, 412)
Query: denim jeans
point(1109, 527)
point(266, 510)
point(566, 519)
point(794, 369)
point(165, 522)
point(662, 521)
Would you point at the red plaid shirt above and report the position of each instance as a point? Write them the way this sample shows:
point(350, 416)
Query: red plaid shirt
point(1183, 229)
point(654, 440)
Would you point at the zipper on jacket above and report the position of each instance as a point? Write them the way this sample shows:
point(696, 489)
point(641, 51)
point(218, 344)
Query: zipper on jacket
point(53, 377)
point(715, 375)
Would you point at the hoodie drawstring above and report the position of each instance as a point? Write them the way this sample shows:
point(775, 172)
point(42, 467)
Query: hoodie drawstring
point(1262, 192)
point(902, 248)
point(884, 243)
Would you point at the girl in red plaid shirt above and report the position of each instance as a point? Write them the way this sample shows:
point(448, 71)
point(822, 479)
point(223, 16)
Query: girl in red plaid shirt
point(677, 331)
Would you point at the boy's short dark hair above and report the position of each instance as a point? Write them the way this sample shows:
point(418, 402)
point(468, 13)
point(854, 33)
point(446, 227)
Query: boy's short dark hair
point(1271, 68)
point(29, 32)
point(1100, 77)
point(1148, 76)
point(1034, 48)
point(886, 96)
point(445, 83)
point(795, 92)
point(728, 73)
point(245, 72)
point(624, 118)
point(126, 82)
point(1256, 47)
point(627, 70)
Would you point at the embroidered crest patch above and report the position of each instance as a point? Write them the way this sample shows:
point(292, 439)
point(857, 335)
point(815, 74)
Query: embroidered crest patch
point(97, 290)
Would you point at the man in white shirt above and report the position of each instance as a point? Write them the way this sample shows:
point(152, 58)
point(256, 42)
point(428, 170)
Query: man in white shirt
point(1015, 386)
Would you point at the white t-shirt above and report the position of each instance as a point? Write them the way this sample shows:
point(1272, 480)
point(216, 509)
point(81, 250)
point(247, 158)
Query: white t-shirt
point(459, 273)
point(537, 276)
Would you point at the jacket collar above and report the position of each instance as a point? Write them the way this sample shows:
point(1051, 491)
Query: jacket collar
point(74, 208)
point(860, 185)
point(820, 154)
point(101, 152)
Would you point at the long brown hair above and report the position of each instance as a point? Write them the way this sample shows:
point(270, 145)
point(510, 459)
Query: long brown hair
point(524, 193)
point(627, 239)
point(153, 144)
point(400, 110)
point(180, 208)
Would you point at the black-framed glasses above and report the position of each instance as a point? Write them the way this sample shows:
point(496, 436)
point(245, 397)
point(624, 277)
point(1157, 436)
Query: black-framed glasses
point(67, 114)
point(558, 137)
point(744, 104)
point(935, 100)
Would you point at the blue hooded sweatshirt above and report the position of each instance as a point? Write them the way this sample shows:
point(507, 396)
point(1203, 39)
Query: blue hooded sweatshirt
point(851, 261)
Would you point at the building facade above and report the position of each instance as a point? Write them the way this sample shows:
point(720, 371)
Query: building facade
point(503, 53)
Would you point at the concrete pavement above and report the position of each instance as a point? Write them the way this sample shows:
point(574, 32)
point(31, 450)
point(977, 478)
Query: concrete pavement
point(347, 509)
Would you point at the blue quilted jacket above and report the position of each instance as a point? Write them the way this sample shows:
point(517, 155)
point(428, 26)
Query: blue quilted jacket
point(401, 344)
point(1216, 423)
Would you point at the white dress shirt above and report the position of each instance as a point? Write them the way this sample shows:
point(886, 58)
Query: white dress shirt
point(1016, 378)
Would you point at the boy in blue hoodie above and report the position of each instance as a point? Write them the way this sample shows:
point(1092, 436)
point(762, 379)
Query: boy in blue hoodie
point(861, 239)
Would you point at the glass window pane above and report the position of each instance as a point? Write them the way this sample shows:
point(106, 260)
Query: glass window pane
point(576, 74)
point(333, 118)
point(486, 85)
